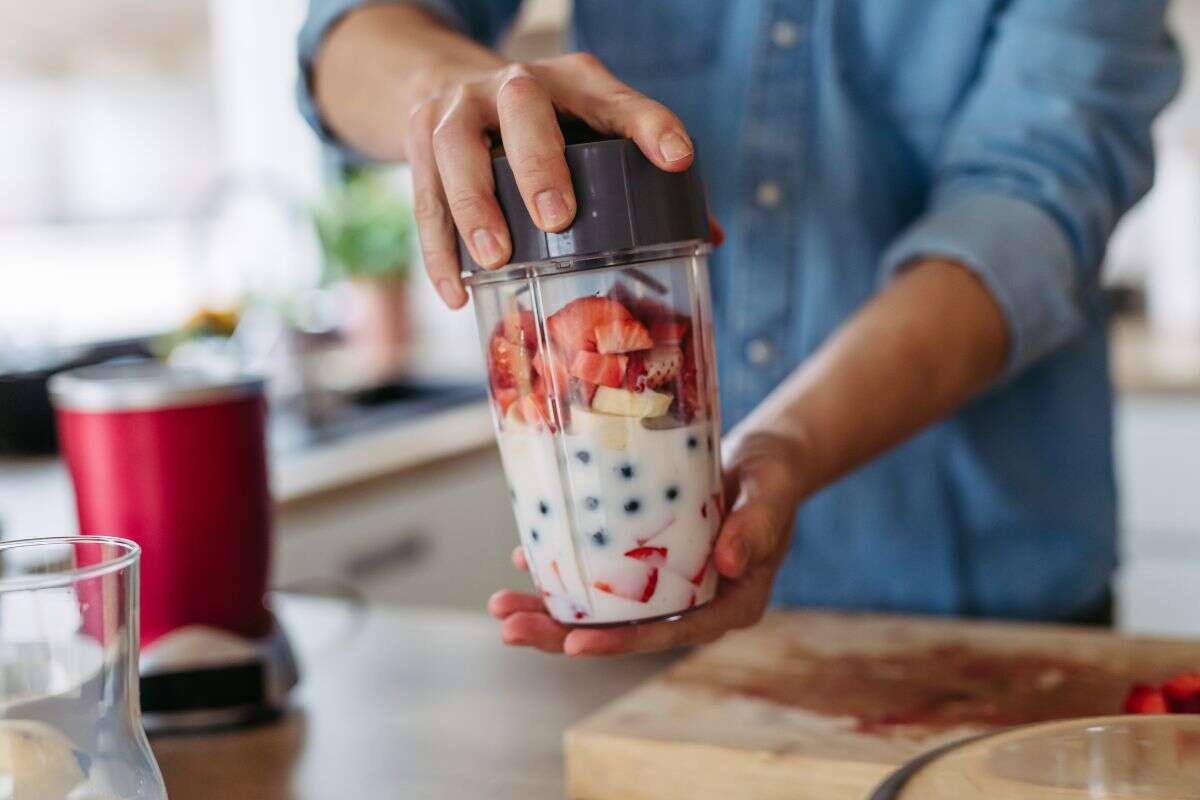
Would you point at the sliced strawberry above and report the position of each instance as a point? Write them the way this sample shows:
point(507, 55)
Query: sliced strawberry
point(508, 363)
point(573, 327)
point(662, 364)
point(655, 556)
point(1145, 699)
point(519, 326)
point(639, 588)
point(699, 576)
point(635, 373)
point(622, 336)
point(651, 585)
point(602, 370)
point(532, 410)
point(1182, 693)
point(666, 331)
point(556, 375)
point(505, 398)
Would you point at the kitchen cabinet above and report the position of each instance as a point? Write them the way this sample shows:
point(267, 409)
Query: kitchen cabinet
point(1158, 467)
point(437, 535)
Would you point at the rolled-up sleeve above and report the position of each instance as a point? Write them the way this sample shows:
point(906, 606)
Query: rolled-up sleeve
point(1051, 146)
point(484, 20)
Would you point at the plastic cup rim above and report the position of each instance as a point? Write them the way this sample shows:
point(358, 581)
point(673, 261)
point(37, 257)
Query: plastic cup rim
point(129, 556)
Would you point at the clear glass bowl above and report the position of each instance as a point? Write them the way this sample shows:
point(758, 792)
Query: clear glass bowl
point(70, 723)
point(1153, 757)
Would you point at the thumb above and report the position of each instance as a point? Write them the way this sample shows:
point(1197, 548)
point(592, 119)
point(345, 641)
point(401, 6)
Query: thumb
point(756, 529)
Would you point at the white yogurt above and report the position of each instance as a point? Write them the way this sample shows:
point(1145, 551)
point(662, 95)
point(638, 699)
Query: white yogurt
point(617, 521)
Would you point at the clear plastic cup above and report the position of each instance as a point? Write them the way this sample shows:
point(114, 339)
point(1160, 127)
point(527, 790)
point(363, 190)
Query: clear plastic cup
point(602, 378)
point(70, 724)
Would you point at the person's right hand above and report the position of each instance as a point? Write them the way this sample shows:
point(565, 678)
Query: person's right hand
point(448, 150)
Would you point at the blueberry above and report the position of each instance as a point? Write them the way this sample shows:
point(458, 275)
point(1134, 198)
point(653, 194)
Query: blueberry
point(626, 471)
point(583, 455)
point(533, 534)
point(543, 507)
point(600, 537)
point(632, 506)
point(591, 503)
point(672, 492)
point(692, 442)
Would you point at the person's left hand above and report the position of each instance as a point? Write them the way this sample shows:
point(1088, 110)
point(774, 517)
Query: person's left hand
point(761, 477)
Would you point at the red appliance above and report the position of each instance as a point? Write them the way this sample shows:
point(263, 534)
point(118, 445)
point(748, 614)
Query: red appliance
point(176, 460)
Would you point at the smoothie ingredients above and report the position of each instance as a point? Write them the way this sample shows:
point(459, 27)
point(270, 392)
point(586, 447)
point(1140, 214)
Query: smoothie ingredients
point(600, 425)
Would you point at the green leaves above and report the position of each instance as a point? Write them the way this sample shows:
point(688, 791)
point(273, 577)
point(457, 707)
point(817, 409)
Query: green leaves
point(366, 229)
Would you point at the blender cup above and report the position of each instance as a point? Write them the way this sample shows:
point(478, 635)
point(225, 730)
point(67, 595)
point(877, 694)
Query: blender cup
point(602, 379)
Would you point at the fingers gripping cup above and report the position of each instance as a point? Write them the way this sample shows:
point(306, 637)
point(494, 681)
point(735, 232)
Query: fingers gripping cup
point(603, 382)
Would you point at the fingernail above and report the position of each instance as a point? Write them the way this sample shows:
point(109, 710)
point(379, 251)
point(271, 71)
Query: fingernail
point(446, 290)
point(487, 247)
point(674, 147)
point(552, 208)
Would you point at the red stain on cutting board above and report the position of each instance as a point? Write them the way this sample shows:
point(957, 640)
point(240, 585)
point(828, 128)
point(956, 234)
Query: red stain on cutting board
point(935, 688)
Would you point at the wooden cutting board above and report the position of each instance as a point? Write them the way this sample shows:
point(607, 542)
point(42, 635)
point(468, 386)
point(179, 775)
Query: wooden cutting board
point(824, 706)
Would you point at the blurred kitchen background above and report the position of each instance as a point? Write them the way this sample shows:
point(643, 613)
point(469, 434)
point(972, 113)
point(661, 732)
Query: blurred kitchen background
point(159, 193)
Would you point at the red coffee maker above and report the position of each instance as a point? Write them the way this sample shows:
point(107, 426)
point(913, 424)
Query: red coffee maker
point(176, 460)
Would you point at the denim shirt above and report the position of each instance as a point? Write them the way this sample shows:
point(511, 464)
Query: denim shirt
point(841, 139)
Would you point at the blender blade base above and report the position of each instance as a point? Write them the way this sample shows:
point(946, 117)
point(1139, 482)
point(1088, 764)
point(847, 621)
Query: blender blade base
point(199, 678)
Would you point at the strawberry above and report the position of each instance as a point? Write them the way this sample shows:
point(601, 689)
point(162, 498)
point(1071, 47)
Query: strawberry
point(635, 373)
point(556, 375)
point(658, 367)
point(656, 556)
point(622, 336)
point(1145, 699)
point(699, 576)
point(599, 369)
point(508, 363)
point(505, 398)
point(519, 326)
point(532, 410)
point(667, 331)
point(573, 327)
point(1182, 693)
point(631, 587)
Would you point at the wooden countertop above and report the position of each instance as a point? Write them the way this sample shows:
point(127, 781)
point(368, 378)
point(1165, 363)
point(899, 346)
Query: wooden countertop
point(408, 704)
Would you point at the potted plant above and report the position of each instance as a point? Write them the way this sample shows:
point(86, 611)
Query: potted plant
point(366, 232)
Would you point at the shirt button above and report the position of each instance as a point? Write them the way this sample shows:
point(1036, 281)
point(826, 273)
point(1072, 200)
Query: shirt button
point(768, 194)
point(784, 34)
point(759, 352)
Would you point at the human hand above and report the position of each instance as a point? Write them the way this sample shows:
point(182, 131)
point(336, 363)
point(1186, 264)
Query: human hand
point(761, 477)
point(448, 149)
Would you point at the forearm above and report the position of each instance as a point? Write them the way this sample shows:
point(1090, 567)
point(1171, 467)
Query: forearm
point(382, 61)
point(929, 342)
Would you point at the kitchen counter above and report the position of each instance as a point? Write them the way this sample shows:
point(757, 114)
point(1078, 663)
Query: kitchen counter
point(396, 703)
point(36, 499)
point(1148, 363)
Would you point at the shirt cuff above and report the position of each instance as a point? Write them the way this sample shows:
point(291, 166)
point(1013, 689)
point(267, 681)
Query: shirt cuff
point(322, 16)
point(1021, 254)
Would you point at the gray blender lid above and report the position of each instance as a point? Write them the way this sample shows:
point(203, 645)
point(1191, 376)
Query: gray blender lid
point(145, 385)
point(623, 200)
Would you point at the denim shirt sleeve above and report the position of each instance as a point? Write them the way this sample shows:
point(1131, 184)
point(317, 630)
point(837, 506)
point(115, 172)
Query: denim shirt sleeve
point(1050, 147)
point(484, 20)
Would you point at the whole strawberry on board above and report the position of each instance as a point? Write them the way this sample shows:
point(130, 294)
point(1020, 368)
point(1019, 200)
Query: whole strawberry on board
point(1179, 695)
